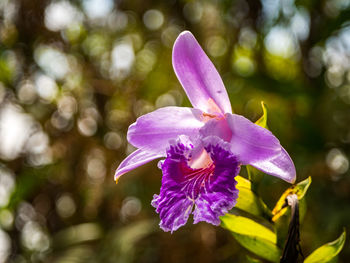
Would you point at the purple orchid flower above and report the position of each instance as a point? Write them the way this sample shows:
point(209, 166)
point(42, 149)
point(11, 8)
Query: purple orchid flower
point(204, 146)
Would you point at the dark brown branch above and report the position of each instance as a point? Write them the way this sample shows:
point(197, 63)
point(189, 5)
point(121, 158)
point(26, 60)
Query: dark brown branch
point(292, 248)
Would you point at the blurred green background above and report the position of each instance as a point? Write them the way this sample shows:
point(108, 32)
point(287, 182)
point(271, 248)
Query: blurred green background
point(75, 74)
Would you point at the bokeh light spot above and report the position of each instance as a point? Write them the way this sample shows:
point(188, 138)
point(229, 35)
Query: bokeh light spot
point(153, 19)
point(216, 46)
point(337, 161)
point(122, 59)
point(7, 185)
point(97, 8)
point(113, 140)
point(61, 14)
point(131, 207)
point(87, 126)
point(65, 206)
point(46, 87)
point(34, 238)
point(52, 61)
point(5, 246)
point(280, 42)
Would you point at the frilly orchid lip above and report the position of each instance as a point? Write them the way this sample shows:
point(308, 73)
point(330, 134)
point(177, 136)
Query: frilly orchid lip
point(210, 190)
point(213, 131)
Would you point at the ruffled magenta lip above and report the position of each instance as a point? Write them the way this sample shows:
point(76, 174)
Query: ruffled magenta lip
point(208, 192)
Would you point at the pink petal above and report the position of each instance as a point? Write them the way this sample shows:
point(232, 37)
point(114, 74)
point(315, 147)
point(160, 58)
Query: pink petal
point(258, 147)
point(198, 76)
point(250, 142)
point(217, 127)
point(280, 166)
point(153, 131)
point(134, 160)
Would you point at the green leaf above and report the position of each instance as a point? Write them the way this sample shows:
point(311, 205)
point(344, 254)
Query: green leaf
point(328, 251)
point(77, 234)
point(242, 182)
point(263, 119)
point(253, 236)
point(299, 189)
point(252, 260)
point(260, 247)
point(302, 187)
point(254, 175)
point(247, 200)
point(246, 226)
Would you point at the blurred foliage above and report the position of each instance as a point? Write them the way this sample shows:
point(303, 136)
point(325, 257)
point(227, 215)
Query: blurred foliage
point(75, 74)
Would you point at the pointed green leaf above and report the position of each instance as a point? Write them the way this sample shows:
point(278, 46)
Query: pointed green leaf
point(328, 251)
point(253, 236)
point(263, 119)
point(246, 226)
point(299, 189)
point(254, 175)
point(302, 187)
point(242, 182)
point(259, 246)
point(247, 200)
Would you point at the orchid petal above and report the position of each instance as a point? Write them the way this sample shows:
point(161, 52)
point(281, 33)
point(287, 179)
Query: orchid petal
point(198, 76)
point(210, 189)
point(280, 166)
point(250, 142)
point(172, 203)
point(134, 160)
point(216, 127)
point(175, 212)
point(153, 131)
point(220, 193)
point(258, 147)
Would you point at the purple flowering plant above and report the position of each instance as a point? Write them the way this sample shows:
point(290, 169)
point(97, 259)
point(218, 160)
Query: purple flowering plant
point(202, 150)
point(204, 146)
